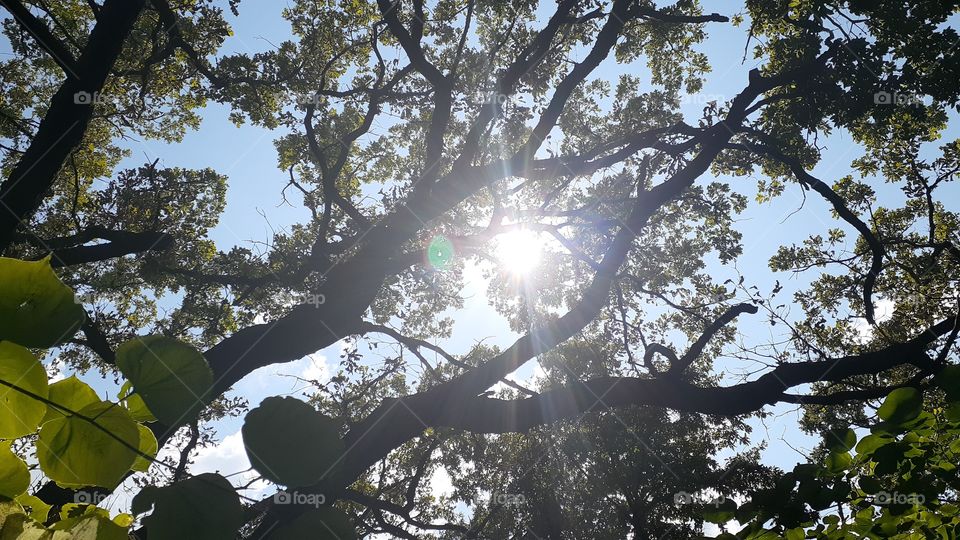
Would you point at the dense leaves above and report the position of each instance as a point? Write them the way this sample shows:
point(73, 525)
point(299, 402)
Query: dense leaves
point(899, 483)
point(419, 140)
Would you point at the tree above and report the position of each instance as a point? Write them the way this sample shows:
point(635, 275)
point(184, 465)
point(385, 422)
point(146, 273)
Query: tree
point(417, 135)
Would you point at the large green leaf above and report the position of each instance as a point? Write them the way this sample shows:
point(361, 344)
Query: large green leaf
point(148, 445)
point(20, 413)
point(92, 526)
point(901, 405)
point(71, 393)
point(14, 476)
point(205, 506)
point(74, 452)
point(172, 377)
point(840, 440)
point(36, 308)
point(323, 523)
point(290, 443)
point(34, 506)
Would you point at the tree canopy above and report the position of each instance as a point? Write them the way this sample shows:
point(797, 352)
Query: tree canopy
point(421, 140)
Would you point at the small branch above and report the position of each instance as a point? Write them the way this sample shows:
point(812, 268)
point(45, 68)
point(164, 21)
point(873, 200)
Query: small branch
point(681, 365)
point(48, 42)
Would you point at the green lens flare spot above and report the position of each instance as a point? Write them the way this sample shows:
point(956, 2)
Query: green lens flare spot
point(440, 253)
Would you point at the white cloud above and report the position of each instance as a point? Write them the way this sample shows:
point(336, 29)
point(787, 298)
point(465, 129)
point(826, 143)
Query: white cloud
point(316, 368)
point(229, 458)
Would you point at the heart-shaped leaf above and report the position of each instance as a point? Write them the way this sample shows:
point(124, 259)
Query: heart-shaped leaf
point(901, 405)
point(172, 377)
point(205, 506)
point(36, 308)
point(72, 451)
point(14, 476)
point(290, 443)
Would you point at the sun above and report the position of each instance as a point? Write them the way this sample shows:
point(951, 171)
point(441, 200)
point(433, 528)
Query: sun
point(519, 251)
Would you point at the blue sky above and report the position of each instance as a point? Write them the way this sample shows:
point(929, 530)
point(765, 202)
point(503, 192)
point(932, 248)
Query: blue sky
point(254, 210)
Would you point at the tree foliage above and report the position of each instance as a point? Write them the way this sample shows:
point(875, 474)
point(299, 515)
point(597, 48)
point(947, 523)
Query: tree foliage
point(416, 136)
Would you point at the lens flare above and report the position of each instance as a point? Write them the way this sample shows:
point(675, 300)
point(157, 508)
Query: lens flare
point(440, 252)
point(519, 251)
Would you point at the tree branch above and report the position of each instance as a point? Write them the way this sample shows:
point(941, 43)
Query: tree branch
point(56, 48)
point(65, 122)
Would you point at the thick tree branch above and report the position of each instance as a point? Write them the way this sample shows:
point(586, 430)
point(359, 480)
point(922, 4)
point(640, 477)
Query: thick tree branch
point(119, 243)
point(65, 122)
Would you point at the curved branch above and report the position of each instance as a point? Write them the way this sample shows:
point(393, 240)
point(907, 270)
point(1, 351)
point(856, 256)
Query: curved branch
point(681, 365)
point(839, 205)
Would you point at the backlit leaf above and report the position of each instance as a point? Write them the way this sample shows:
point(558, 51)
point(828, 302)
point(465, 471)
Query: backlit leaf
point(74, 452)
point(172, 377)
point(36, 308)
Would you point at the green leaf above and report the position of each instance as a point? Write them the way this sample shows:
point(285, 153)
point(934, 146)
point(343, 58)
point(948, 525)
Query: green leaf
point(869, 484)
point(148, 445)
point(35, 507)
point(838, 462)
point(840, 440)
point(205, 506)
point(870, 443)
point(901, 405)
point(172, 377)
point(290, 443)
point(720, 512)
point(20, 414)
point(134, 403)
point(14, 476)
point(324, 523)
point(72, 393)
point(74, 452)
point(92, 526)
point(36, 308)
point(795, 534)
